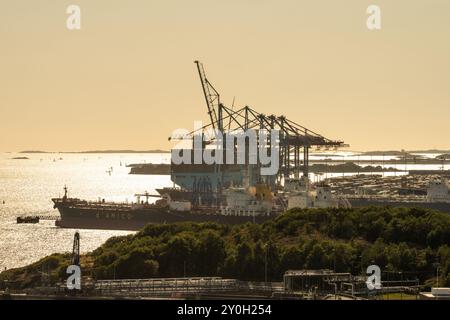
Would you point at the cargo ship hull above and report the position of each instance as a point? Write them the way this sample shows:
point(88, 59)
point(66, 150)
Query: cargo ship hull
point(91, 217)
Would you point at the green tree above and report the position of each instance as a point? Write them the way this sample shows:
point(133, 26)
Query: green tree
point(137, 264)
point(211, 253)
point(178, 257)
point(244, 261)
point(316, 258)
point(292, 258)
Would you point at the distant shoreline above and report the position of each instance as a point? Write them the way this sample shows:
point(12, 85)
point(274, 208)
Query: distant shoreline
point(366, 153)
point(400, 153)
point(98, 151)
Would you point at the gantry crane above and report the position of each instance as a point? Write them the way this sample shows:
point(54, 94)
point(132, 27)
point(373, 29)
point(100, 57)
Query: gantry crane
point(294, 137)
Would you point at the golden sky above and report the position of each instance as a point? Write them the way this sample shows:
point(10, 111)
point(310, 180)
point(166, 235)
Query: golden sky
point(127, 78)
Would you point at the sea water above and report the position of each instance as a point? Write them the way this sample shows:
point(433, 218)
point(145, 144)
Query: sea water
point(27, 186)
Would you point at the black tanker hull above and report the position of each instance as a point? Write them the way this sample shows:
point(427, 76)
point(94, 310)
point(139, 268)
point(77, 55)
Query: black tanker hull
point(90, 218)
point(439, 206)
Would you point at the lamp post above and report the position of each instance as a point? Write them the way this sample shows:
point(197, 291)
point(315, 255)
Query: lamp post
point(437, 265)
point(437, 275)
point(401, 284)
point(265, 262)
point(334, 258)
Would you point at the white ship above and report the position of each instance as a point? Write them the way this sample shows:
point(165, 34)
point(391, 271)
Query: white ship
point(249, 201)
point(301, 194)
point(438, 191)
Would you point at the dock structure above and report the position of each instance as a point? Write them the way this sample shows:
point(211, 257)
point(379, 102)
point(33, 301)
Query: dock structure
point(326, 284)
point(184, 287)
point(315, 283)
point(35, 219)
point(297, 285)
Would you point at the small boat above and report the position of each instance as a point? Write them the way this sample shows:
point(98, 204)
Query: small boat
point(30, 219)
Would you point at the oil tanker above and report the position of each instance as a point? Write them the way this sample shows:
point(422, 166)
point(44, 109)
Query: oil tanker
point(243, 207)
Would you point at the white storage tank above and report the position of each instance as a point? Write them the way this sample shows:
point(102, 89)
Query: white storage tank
point(441, 292)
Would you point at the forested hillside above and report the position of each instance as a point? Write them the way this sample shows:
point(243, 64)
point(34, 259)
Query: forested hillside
point(410, 241)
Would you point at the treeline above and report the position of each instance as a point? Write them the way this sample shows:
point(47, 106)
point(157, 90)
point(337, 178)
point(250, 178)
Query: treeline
point(405, 243)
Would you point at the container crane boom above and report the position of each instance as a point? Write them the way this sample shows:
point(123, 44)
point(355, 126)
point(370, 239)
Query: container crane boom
point(212, 97)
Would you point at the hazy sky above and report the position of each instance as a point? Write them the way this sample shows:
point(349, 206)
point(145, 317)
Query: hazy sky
point(127, 78)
